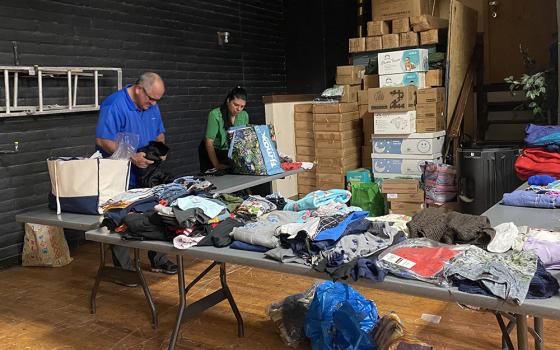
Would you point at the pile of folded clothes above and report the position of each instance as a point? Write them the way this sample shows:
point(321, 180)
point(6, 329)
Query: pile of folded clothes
point(541, 155)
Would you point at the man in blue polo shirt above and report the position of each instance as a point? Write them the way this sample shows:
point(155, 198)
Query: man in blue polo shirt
point(134, 110)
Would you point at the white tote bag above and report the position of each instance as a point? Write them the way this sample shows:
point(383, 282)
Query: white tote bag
point(79, 185)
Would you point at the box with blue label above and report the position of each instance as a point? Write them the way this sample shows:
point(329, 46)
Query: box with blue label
point(417, 143)
point(404, 164)
point(394, 123)
point(394, 62)
point(358, 176)
point(417, 79)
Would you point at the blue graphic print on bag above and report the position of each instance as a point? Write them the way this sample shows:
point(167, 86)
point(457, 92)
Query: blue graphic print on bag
point(253, 152)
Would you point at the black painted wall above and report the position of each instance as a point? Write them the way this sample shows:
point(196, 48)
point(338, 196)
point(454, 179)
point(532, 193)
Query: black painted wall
point(175, 38)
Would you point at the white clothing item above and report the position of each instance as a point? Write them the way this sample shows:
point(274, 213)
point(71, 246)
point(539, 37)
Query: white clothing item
point(544, 235)
point(292, 229)
point(164, 210)
point(399, 221)
point(185, 242)
point(210, 208)
point(307, 165)
point(504, 238)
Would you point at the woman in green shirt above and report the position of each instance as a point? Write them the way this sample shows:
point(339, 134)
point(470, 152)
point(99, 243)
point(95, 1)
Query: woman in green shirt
point(213, 150)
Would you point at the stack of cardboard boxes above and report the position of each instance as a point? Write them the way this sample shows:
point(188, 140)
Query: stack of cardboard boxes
point(305, 145)
point(368, 82)
point(404, 196)
point(337, 142)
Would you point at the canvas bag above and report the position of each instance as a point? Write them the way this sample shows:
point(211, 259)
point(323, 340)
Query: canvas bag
point(79, 185)
point(253, 152)
point(45, 246)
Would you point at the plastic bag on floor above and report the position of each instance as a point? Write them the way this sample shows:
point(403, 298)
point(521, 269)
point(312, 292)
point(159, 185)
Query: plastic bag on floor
point(288, 316)
point(45, 246)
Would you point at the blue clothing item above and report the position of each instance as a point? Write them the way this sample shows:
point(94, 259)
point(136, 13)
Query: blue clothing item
point(248, 246)
point(531, 199)
point(336, 232)
point(170, 192)
point(540, 180)
point(542, 135)
point(115, 217)
point(210, 208)
point(118, 113)
point(316, 199)
point(353, 228)
point(368, 268)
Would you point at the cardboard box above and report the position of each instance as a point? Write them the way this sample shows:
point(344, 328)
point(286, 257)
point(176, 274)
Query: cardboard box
point(304, 125)
point(394, 123)
point(377, 28)
point(360, 175)
point(304, 134)
point(430, 37)
point(430, 124)
point(417, 197)
point(338, 144)
point(356, 45)
point(390, 41)
point(306, 181)
point(408, 164)
point(362, 98)
point(370, 81)
point(305, 150)
point(366, 156)
point(303, 117)
point(405, 206)
point(354, 124)
point(350, 93)
point(411, 60)
point(364, 112)
point(305, 142)
point(349, 75)
point(449, 206)
point(336, 153)
point(337, 136)
point(383, 10)
point(303, 108)
point(400, 25)
point(389, 176)
point(434, 77)
point(417, 143)
point(335, 118)
point(430, 95)
point(339, 162)
point(430, 110)
point(325, 186)
point(400, 186)
point(335, 107)
point(427, 22)
point(322, 177)
point(408, 39)
point(305, 157)
point(308, 174)
point(367, 127)
point(417, 79)
point(341, 170)
point(392, 99)
point(305, 189)
point(374, 43)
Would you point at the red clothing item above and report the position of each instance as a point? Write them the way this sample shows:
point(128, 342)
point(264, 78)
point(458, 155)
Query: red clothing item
point(291, 166)
point(429, 260)
point(537, 161)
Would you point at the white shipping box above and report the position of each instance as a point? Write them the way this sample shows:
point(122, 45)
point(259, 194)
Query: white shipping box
point(393, 62)
point(394, 123)
point(404, 164)
point(417, 143)
point(417, 79)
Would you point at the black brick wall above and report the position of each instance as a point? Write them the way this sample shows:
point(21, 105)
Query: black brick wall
point(175, 38)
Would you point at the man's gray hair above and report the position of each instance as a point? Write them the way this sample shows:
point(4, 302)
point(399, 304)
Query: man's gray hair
point(147, 79)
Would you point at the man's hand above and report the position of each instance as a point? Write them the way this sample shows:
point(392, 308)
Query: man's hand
point(139, 159)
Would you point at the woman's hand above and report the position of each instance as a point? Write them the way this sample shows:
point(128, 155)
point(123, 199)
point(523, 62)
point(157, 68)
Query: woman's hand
point(139, 159)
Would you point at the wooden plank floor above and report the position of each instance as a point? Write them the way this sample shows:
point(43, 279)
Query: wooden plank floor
point(48, 308)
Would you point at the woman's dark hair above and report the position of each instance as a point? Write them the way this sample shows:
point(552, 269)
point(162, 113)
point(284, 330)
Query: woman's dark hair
point(236, 92)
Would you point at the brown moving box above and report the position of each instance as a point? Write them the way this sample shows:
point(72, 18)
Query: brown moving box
point(430, 124)
point(366, 156)
point(306, 181)
point(308, 174)
point(392, 99)
point(302, 117)
point(405, 206)
point(390, 41)
point(350, 93)
point(400, 25)
point(400, 186)
point(383, 10)
point(434, 77)
point(305, 150)
point(406, 197)
point(429, 37)
point(339, 162)
point(335, 107)
point(364, 111)
point(371, 81)
point(337, 136)
point(354, 124)
point(427, 22)
point(322, 169)
point(321, 177)
point(336, 152)
point(349, 75)
point(430, 110)
point(336, 144)
point(304, 134)
point(367, 122)
point(377, 28)
point(305, 157)
point(431, 95)
point(303, 107)
point(304, 125)
point(374, 43)
point(362, 98)
point(335, 118)
point(325, 186)
point(305, 189)
point(449, 206)
point(356, 45)
point(305, 142)
point(408, 39)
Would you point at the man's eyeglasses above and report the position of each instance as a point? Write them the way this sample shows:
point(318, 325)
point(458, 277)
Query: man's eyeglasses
point(148, 96)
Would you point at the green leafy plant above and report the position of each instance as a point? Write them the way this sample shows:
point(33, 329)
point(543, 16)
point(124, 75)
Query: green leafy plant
point(534, 87)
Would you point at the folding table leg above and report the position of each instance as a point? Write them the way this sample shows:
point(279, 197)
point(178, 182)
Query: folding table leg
point(182, 302)
point(145, 288)
point(232, 304)
point(539, 333)
point(506, 340)
point(97, 278)
point(522, 330)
